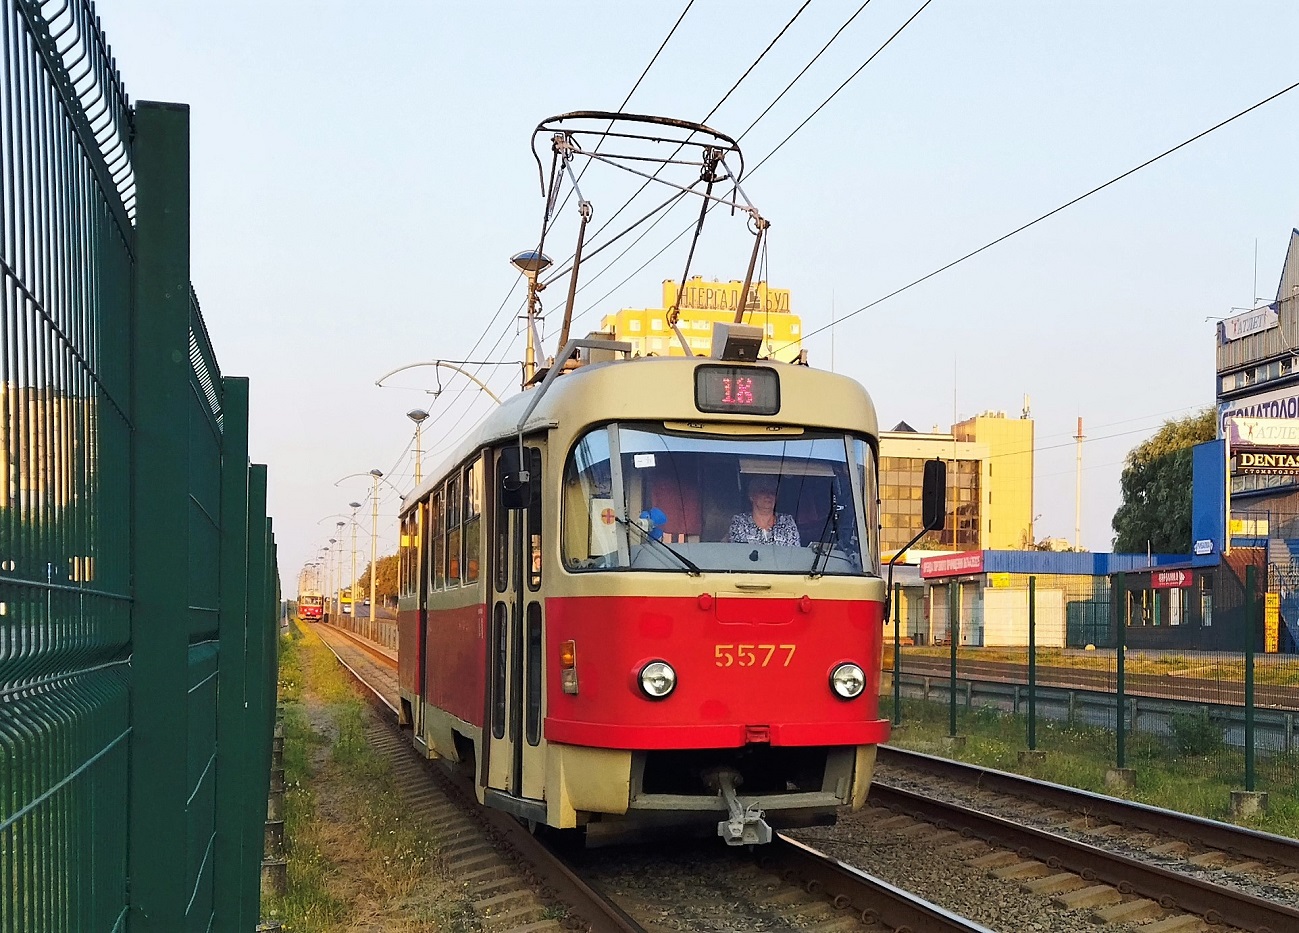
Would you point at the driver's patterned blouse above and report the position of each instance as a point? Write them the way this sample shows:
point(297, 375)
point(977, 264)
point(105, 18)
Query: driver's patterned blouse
point(744, 530)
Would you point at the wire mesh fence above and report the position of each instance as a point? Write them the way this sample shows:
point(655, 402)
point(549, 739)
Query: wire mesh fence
point(1169, 677)
point(136, 559)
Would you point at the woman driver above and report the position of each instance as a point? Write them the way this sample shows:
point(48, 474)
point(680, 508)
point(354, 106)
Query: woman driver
point(762, 524)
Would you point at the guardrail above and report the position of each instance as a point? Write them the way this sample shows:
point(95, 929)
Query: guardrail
point(1274, 730)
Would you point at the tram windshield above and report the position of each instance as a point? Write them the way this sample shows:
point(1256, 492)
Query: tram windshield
point(661, 497)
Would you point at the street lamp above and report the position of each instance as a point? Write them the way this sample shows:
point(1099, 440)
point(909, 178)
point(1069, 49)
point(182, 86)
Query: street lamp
point(531, 263)
point(418, 415)
point(376, 476)
point(352, 584)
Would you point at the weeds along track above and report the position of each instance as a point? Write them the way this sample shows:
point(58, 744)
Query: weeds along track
point(522, 885)
point(1126, 861)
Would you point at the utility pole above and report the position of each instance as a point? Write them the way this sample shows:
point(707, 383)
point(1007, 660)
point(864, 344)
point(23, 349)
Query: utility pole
point(338, 577)
point(1077, 494)
point(374, 543)
point(352, 585)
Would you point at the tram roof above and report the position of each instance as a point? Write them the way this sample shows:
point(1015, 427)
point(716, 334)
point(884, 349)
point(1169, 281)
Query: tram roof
point(661, 389)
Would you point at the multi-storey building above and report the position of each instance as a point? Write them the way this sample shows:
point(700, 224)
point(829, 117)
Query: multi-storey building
point(989, 484)
point(701, 304)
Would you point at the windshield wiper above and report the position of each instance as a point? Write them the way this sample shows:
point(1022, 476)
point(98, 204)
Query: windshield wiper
point(686, 561)
point(823, 545)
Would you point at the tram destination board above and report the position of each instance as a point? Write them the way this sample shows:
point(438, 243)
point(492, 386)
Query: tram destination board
point(745, 389)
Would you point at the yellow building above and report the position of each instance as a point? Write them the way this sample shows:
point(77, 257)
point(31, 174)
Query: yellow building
point(1009, 442)
point(702, 304)
point(989, 484)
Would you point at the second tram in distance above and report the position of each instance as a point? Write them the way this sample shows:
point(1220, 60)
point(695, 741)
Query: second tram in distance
point(600, 621)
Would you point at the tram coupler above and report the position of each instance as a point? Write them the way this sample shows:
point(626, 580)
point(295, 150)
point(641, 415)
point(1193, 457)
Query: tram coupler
point(745, 825)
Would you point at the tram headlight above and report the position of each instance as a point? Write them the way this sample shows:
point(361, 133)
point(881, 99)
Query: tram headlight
point(658, 679)
point(847, 681)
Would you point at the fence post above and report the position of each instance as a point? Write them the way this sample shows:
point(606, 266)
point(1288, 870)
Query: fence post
point(1120, 641)
point(953, 636)
point(1251, 590)
point(1032, 664)
point(253, 812)
point(158, 852)
point(897, 654)
point(232, 860)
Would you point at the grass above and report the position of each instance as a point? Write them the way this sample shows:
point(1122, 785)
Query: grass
point(353, 858)
point(1078, 755)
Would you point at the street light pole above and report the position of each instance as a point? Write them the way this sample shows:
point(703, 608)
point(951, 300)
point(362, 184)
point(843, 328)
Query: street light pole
point(333, 576)
point(352, 585)
point(418, 415)
point(338, 587)
point(374, 543)
point(531, 263)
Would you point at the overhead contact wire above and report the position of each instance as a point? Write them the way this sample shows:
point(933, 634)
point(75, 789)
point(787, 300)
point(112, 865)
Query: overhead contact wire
point(1051, 213)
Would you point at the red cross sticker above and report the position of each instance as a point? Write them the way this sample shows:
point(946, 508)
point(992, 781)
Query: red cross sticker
point(608, 516)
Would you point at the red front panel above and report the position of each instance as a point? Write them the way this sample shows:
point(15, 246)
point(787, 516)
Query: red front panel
point(456, 661)
point(748, 670)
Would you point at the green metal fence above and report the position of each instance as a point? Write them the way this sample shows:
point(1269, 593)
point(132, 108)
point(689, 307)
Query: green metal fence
point(1182, 686)
point(137, 586)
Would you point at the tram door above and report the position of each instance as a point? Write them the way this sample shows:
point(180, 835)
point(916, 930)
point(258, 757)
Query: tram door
point(420, 568)
point(514, 762)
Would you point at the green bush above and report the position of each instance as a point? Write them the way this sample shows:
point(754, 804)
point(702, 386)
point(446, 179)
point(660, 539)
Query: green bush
point(1195, 734)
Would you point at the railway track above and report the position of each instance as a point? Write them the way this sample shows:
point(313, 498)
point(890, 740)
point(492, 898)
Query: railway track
point(523, 882)
point(1093, 871)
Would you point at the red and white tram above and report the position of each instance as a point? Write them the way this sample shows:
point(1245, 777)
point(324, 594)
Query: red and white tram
point(585, 630)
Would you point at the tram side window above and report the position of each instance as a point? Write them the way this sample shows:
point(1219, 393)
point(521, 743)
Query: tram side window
point(437, 514)
point(453, 530)
point(534, 520)
point(501, 534)
point(473, 520)
point(408, 550)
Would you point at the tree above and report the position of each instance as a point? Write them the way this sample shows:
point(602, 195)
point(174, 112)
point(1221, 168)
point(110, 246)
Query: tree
point(385, 581)
point(1156, 486)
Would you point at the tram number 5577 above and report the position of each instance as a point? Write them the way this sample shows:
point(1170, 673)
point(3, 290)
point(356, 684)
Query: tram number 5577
point(751, 655)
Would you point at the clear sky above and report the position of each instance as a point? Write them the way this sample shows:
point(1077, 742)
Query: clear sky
point(362, 173)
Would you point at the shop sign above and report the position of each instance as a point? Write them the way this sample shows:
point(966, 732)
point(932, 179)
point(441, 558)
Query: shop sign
point(1251, 322)
point(999, 581)
point(952, 565)
point(1273, 404)
point(1202, 547)
point(1249, 528)
point(1271, 622)
point(1269, 462)
point(1263, 432)
point(1171, 579)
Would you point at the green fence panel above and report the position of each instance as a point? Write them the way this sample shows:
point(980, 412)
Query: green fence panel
point(136, 662)
point(65, 422)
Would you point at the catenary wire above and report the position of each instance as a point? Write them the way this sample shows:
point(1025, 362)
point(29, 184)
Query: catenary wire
point(644, 72)
point(1051, 213)
point(717, 106)
point(751, 172)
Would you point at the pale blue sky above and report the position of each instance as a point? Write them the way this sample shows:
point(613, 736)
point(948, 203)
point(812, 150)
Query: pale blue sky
point(361, 174)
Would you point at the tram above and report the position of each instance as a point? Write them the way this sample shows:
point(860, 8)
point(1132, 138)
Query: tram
point(645, 593)
point(311, 607)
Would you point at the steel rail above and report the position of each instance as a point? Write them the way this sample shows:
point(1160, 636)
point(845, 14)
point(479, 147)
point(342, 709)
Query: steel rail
point(1236, 840)
point(584, 901)
point(1171, 890)
point(875, 900)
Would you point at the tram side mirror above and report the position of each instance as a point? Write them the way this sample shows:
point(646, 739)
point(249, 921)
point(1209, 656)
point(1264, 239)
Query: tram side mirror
point(515, 481)
point(933, 497)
